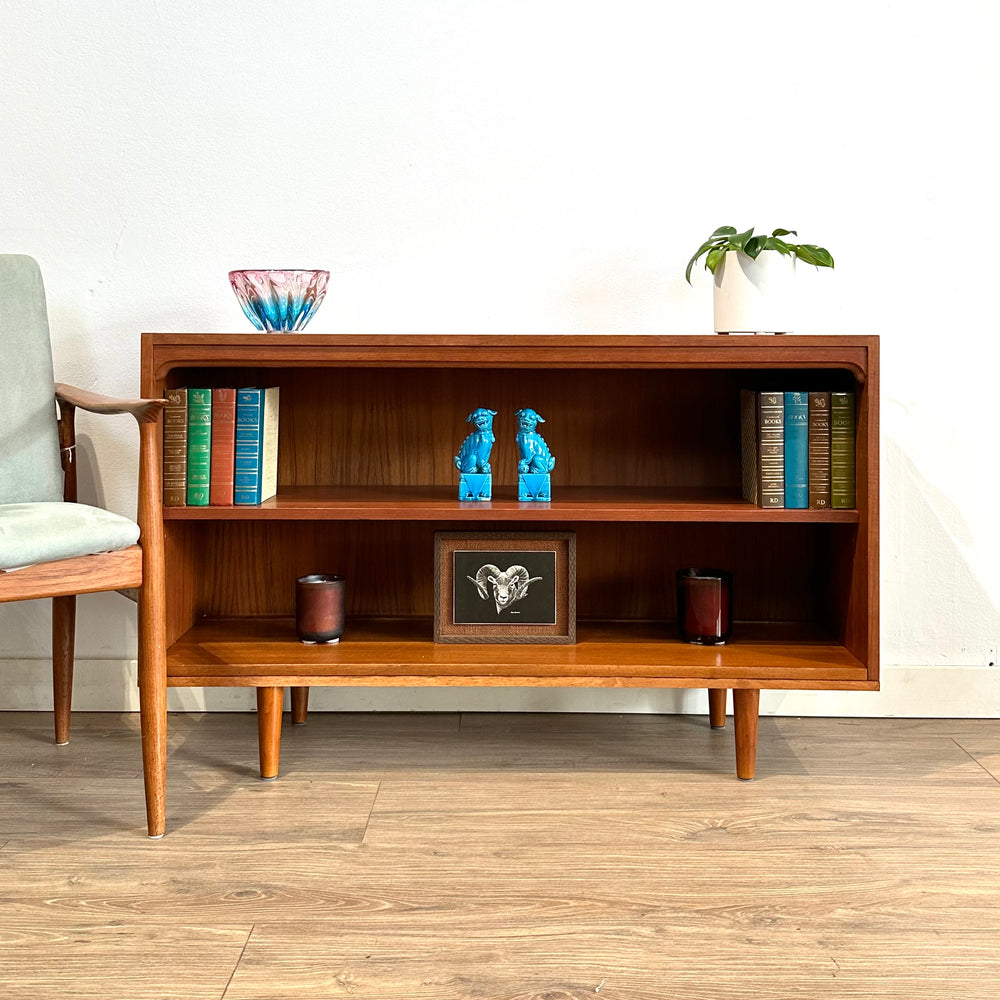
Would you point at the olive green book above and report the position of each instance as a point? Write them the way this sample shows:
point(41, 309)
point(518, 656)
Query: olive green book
point(843, 488)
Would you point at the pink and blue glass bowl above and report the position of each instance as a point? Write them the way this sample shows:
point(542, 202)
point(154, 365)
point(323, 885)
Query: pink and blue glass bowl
point(279, 300)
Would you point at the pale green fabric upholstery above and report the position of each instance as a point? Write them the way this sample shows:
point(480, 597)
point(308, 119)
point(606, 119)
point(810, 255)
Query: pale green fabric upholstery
point(29, 442)
point(41, 532)
point(35, 525)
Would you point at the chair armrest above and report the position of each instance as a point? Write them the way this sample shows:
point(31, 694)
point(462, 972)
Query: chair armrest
point(144, 410)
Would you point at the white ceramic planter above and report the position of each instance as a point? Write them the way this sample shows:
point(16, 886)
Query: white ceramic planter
point(755, 296)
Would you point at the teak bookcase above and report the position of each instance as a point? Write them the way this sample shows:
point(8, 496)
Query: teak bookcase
point(646, 433)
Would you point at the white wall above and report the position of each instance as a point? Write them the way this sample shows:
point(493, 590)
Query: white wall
point(531, 166)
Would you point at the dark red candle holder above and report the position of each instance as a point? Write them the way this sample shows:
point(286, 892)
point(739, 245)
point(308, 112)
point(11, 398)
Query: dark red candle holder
point(319, 608)
point(704, 605)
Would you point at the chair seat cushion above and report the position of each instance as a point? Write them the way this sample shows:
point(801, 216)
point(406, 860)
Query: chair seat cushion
point(42, 532)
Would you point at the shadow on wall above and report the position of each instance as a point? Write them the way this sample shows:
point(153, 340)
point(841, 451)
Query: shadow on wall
point(935, 609)
point(89, 483)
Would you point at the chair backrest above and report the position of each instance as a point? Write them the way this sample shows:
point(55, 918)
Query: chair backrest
point(29, 439)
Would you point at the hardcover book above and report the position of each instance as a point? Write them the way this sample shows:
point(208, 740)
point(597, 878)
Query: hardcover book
point(797, 450)
point(819, 450)
point(175, 421)
point(842, 427)
point(199, 446)
point(255, 476)
point(762, 425)
point(220, 492)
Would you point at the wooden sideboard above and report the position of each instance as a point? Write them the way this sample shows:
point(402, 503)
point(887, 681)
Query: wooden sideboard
point(646, 434)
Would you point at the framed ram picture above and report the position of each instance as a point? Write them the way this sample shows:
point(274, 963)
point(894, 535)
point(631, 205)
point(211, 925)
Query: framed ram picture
point(505, 587)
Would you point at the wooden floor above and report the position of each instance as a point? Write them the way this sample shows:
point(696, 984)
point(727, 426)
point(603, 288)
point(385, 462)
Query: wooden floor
point(503, 856)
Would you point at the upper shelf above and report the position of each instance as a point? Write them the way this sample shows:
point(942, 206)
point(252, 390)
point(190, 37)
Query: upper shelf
point(571, 503)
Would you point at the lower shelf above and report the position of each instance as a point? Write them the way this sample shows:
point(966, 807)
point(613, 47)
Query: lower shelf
point(261, 652)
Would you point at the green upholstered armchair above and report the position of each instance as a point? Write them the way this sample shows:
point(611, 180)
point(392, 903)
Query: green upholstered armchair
point(52, 546)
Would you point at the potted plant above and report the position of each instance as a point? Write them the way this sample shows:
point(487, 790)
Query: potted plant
point(754, 278)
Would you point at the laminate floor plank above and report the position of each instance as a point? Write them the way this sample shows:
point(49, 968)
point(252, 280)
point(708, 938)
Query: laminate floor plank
point(964, 786)
point(739, 834)
point(84, 807)
point(503, 856)
point(642, 958)
point(332, 812)
point(868, 730)
point(700, 885)
point(119, 960)
point(614, 743)
point(208, 803)
point(625, 747)
point(100, 744)
point(782, 892)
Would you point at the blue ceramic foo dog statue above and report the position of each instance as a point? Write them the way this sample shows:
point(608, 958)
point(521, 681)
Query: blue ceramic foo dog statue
point(536, 461)
point(475, 481)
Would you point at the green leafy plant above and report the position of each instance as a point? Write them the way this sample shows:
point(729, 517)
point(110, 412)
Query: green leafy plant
point(726, 238)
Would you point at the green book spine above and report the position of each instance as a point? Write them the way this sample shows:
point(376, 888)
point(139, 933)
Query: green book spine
point(199, 454)
point(819, 450)
point(842, 428)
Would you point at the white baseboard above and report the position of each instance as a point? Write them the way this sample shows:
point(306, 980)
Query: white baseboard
point(907, 692)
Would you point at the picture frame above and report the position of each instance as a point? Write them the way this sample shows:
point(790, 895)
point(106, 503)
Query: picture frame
point(505, 587)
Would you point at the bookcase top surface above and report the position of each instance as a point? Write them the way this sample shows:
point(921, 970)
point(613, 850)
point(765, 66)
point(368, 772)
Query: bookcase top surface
point(721, 341)
point(166, 350)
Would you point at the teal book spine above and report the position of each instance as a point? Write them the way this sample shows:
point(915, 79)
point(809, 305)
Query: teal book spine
point(247, 447)
point(199, 447)
point(843, 488)
point(797, 450)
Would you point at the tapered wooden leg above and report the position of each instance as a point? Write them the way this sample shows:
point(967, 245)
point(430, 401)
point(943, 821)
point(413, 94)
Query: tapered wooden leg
point(63, 642)
point(717, 707)
point(746, 708)
point(269, 702)
point(152, 617)
point(153, 705)
point(300, 705)
point(153, 724)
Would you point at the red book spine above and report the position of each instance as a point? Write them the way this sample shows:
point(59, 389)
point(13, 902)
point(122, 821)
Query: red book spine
point(223, 447)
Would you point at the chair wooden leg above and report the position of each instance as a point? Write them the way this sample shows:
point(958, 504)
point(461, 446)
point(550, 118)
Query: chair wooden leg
point(300, 705)
point(153, 708)
point(152, 618)
point(717, 707)
point(63, 643)
point(746, 709)
point(269, 702)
